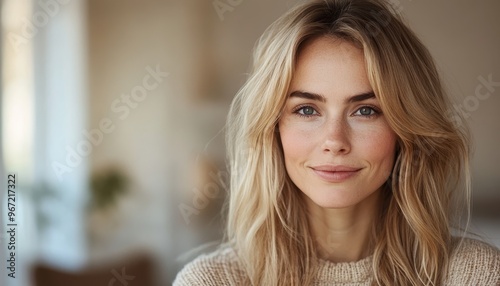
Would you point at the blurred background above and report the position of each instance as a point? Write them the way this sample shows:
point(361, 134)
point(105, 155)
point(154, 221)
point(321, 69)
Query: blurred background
point(112, 114)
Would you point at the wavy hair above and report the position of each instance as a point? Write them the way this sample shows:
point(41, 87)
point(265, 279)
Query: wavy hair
point(267, 223)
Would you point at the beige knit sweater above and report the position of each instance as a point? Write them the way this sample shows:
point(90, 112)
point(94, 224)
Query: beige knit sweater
point(474, 263)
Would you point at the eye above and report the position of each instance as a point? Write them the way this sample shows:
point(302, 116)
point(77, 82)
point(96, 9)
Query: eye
point(306, 111)
point(366, 111)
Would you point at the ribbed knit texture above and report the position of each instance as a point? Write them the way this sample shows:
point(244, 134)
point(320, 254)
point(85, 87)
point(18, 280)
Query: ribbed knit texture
point(474, 263)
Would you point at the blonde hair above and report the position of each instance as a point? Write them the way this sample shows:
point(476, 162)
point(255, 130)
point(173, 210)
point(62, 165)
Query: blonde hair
point(267, 223)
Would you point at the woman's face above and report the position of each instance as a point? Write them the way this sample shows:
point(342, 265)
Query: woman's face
point(338, 147)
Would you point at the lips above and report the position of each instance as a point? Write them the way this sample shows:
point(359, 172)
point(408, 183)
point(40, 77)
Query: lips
point(335, 173)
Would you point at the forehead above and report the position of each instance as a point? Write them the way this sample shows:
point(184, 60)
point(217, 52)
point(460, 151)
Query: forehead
point(330, 66)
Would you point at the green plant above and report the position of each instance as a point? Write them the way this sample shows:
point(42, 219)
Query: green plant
point(106, 187)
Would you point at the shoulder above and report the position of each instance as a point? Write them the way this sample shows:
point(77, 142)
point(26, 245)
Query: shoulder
point(220, 267)
point(474, 263)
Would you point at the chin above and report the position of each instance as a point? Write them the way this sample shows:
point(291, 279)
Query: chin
point(339, 198)
point(335, 204)
point(332, 200)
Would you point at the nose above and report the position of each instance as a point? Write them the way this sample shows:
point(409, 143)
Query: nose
point(336, 137)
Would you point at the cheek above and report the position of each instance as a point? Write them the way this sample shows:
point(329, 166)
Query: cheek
point(378, 147)
point(295, 142)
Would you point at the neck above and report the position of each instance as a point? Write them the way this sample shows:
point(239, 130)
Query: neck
point(346, 234)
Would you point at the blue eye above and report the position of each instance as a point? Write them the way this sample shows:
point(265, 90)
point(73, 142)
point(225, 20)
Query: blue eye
point(366, 111)
point(306, 111)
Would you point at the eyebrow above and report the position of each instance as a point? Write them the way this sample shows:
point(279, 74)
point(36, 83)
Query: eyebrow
point(321, 98)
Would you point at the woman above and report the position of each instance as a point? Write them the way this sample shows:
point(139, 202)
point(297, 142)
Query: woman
point(346, 167)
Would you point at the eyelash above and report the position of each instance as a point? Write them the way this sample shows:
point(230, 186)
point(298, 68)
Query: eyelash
point(376, 111)
point(301, 107)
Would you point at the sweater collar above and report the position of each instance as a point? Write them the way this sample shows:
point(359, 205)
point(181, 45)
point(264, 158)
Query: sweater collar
point(344, 272)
